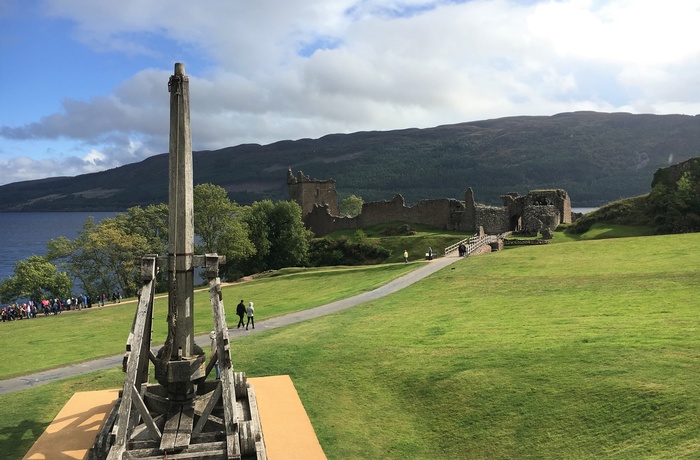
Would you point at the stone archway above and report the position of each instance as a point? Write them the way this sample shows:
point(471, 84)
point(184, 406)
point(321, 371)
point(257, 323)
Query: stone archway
point(516, 223)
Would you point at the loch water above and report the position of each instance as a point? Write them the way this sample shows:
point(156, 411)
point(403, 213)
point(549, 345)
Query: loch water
point(23, 234)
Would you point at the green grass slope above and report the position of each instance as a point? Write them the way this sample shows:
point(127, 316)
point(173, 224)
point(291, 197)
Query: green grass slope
point(72, 337)
point(566, 351)
point(579, 350)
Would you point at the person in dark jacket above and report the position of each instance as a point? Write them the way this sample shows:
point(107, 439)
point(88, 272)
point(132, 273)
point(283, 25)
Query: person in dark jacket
point(240, 311)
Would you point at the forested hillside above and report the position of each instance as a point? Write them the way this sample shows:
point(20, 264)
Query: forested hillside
point(596, 157)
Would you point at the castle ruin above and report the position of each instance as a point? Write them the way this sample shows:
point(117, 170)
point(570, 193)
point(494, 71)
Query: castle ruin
point(538, 212)
point(310, 193)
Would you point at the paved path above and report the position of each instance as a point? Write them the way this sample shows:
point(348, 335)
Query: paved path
point(40, 378)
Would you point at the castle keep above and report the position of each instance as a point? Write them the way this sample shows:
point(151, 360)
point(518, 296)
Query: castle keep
point(538, 212)
point(309, 193)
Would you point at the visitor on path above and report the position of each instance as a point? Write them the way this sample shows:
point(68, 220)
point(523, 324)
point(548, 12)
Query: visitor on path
point(240, 311)
point(405, 256)
point(250, 312)
point(212, 336)
point(430, 253)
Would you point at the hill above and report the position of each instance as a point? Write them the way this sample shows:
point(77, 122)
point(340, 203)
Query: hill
point(596, 157)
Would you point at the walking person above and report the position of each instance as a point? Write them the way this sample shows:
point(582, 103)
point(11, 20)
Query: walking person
point(405, 256)
point(240, 311)
point(250, 312)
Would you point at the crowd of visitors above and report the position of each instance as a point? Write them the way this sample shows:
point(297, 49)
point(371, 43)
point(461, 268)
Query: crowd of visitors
point(47, 307)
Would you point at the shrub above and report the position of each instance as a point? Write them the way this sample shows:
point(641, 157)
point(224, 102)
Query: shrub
point(344, 251)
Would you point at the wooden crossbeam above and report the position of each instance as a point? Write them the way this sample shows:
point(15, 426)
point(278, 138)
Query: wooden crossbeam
point(145, 415)
point(211, 403)
point(204, 451)
point(212, 362)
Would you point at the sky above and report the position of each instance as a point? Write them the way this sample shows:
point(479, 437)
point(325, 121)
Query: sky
point(83, 83)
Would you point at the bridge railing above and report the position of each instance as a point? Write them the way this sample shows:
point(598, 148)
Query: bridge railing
point(473, 243)
point(453, 247)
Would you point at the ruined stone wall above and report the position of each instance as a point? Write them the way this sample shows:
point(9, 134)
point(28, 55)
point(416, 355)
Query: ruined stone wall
point(538, 211)
point(321, 222)
point(445, 214)
point(308, 193)
point(468, 221)
point(440, 213)
point(540, 219)
point(485, 249)
point(555, 197)
point(493, 219)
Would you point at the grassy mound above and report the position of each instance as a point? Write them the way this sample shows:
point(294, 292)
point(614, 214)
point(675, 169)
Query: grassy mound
point(633, 212)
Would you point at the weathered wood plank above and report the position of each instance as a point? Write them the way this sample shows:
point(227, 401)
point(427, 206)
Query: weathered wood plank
point(226, 366)
point(254, 414)
point(211, 403)
point(184, 431)
point(172, 423)
point(212, 362)
point(260, 452)
point(246, 438)
point(139, 340)
point(145, 415)
point(211, 450)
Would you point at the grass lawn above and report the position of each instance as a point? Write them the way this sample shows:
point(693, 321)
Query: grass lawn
point(417, 245)
point(603, 231)
point(567, 351)
point(54, 341)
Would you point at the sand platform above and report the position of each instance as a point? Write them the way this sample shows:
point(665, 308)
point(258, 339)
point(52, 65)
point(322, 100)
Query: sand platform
point(286, 427)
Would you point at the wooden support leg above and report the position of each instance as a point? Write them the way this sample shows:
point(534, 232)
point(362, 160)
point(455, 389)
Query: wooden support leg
point(134, 366)
point(227, 381)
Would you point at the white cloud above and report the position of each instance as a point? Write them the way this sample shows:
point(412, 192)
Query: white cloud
point(272, 69)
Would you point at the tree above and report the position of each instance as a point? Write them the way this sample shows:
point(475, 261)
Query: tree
point(257, 217)
point(278, 233)
point(345, 251)
point(288, 236)
point(220, 229)
point(150, 222)
point(351, 206)
point(676, 205)
point(37, 279)
point(103, 257)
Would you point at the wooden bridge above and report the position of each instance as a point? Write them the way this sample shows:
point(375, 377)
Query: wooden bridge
point(473, 243)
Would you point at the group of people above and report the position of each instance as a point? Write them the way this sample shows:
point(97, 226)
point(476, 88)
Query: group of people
point(55, 306)
point(242, 311)
point(16, 312)
point(428, 255)
point(462, 248)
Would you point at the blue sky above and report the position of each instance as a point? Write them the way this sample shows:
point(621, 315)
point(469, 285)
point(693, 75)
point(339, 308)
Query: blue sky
point(83, 83)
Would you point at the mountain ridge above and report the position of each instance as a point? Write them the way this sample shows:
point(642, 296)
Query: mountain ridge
point(597, 157)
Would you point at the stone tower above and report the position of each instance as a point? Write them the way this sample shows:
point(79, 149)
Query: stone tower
point(308, 192)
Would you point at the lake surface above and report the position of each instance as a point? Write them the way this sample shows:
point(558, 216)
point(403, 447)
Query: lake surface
point(25, 233)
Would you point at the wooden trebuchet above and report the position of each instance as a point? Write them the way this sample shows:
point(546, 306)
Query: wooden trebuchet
point(184, 415)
